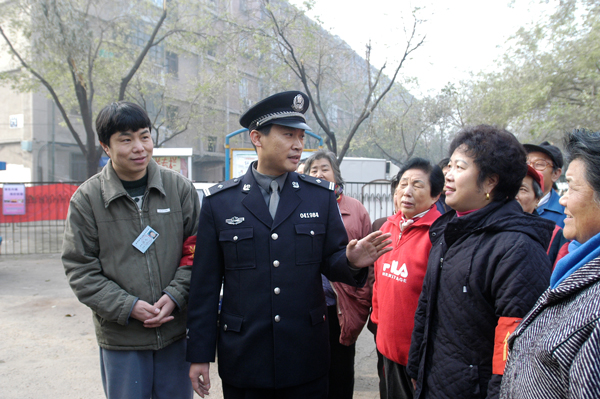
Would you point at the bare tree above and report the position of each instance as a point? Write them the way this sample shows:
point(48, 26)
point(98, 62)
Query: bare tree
point(313, 63)
point(85, 51)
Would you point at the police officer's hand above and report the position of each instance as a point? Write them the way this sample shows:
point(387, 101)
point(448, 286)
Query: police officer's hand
point(364, 252)
point(165, 306)
point(200, 378)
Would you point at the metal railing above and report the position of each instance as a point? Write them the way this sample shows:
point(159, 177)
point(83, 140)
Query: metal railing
point(376, 196)
point(41, 229)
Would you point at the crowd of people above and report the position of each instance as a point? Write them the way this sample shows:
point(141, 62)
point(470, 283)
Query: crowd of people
point(484, 283)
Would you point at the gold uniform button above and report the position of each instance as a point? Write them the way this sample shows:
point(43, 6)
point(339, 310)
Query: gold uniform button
point(274, 236)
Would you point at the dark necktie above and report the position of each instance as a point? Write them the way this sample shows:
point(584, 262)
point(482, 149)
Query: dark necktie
point(274, 201)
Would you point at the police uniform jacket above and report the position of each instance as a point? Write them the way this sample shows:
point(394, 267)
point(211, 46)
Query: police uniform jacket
point(271, 331)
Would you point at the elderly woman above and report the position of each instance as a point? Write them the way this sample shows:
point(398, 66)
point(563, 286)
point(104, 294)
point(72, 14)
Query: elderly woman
point(486, 268)
point(348, 307)
point(555, 351)
point(399, 273)
point(530, 194)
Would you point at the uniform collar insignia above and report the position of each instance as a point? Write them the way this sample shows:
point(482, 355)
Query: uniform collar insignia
point(246, 187)
point(234, 220)
point(295, 184)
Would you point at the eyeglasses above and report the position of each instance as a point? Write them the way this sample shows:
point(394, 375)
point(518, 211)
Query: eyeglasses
point(539, 164)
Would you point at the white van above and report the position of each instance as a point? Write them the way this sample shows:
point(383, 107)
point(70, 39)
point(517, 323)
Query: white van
point(200, 189)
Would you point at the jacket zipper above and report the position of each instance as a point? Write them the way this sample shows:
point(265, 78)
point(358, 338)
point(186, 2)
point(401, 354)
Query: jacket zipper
point(140, 213)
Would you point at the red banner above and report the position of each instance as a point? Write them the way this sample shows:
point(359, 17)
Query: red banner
point(43, 202)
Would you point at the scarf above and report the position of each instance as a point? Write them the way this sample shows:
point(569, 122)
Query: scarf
point(339, 190)
point(404, 222)
point(579, 254)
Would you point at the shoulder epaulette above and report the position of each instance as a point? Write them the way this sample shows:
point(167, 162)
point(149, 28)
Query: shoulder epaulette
point(318, 182)
point(217, 188)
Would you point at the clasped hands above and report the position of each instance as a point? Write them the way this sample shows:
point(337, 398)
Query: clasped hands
point(154, 315)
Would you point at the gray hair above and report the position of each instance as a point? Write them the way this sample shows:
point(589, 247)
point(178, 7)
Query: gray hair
point(584, 145)
point(330, 156)
point(537, 190)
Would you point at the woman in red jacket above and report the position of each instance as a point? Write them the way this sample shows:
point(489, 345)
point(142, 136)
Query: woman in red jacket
point(399, 274)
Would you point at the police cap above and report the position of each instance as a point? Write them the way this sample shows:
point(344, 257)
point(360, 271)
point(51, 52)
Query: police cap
point(285, 109)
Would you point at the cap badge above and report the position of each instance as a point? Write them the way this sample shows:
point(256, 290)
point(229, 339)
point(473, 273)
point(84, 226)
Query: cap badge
point(298, 104)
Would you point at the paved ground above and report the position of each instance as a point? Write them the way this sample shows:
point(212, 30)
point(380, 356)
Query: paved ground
point(48, 347)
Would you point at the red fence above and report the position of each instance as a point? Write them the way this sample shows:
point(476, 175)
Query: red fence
point(40, 229)
point(43, 202)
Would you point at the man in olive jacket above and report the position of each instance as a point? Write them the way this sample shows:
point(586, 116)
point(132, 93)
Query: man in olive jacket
point(122, 248)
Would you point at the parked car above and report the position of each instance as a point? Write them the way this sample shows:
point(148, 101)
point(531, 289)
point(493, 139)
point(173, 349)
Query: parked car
point(200, 189)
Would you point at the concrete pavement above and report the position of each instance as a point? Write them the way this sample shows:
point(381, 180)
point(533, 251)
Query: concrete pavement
point(48, 347)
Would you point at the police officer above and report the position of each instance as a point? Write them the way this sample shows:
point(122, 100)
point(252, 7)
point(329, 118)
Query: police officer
point(268, 236)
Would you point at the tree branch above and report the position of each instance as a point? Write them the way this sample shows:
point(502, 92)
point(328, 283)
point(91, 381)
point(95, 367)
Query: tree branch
point(140, 59)
point(50, 89)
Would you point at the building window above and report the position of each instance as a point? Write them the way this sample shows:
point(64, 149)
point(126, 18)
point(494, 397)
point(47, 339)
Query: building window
point(243, 88)
point(139, 37)
point(172, 114)
point(78, 166)
point(211, 145)
point(172, 63)
point(212, 49)
point(244, 47)
point(332, 114)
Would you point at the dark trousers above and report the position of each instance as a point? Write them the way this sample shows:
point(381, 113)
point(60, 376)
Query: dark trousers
point(397, 381)
point(316, 389)
point(143, 374)
point(341, 371)
point(373, 328)
point(381, 374)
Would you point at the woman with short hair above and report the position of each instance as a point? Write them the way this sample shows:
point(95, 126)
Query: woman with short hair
point(399, 274)
point(555, 351)
point(486, 268)
point(530, 194)
point(348, 307)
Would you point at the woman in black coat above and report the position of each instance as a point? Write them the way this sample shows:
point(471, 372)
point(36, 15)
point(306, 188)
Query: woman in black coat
point(487, 267)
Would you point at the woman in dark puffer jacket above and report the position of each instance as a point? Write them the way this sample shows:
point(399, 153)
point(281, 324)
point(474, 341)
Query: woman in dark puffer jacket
point(487, 267)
